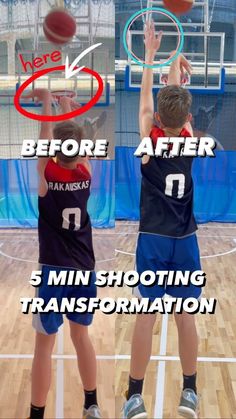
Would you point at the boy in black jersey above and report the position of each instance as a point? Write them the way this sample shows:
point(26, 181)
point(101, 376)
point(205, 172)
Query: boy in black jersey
point(167, 239)
point(65, 243)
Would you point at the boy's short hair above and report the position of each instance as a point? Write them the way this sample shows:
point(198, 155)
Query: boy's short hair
point(67, 130)
point(174, 103)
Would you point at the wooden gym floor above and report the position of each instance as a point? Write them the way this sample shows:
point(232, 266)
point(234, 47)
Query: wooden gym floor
point(112, 334)
point(217, 333)
point(18, 256)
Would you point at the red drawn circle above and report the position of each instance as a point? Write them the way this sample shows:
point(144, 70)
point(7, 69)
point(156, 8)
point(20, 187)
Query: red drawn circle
point(63, 117)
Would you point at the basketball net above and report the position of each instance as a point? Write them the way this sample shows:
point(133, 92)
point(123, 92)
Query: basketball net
point(58, 94)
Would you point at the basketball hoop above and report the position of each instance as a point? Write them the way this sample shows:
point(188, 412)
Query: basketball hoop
point(58, 94)
point(148, 11)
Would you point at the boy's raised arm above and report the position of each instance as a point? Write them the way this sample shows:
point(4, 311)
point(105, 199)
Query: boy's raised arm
point(177, 70)
point(46, 129)
point(146, 109)
point(68, 105)
point(46, 132)
point(44, 96)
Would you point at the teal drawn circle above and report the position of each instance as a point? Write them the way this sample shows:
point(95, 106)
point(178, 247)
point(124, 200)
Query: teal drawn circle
point(156, 9)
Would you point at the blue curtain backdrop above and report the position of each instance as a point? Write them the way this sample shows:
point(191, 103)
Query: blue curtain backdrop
point(214, 180)
point(18, 193)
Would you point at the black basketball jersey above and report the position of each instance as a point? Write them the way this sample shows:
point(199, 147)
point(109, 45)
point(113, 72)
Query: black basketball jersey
point(167, 193)
point(64, 227)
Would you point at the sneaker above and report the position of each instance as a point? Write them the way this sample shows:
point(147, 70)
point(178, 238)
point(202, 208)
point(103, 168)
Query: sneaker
point(134, 408)
point(188, 406)
point(93, 412)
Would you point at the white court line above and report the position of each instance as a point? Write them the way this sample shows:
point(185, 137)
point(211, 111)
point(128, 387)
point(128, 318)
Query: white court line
point(14, 258)
point(219, 254)
point(160, 389)
point(104, 234)
point(200, 225)
point(15, 233)
point(206, 226)
point(30, 233)
point(105, 260)
point(123, 358)
point(8, 240)
point(198, 235)
point(35, 237)
point(201, 257)
point(59, 356)
point(59, 414)
point(160, 381)
point(215, 237)
point(122, 252)
point(176, 358)
point(20, 239)
point(34, 261)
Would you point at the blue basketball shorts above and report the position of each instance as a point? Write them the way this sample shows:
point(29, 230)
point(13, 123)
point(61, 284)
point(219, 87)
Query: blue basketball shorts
point(160, 253)
point(49, 323)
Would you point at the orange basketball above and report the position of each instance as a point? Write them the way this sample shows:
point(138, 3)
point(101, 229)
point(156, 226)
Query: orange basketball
point(59, 26)
point(178, 6)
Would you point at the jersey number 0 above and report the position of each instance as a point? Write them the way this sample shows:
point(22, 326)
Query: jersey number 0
point(71, 219)
point(170, 179)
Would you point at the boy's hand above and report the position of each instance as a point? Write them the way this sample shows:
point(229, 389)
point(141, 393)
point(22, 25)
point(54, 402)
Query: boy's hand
point(41, 95)
point(146, 108)
point(183, 63)
point(151, 41)
point(66, 101)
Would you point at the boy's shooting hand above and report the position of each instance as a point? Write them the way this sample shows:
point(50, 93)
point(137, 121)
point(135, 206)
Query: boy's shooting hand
point(183, 64)
point(66, 102)
point(152, 41)
point(40, 95)
point(146, 108)
point(43, 96)
point(178, 69)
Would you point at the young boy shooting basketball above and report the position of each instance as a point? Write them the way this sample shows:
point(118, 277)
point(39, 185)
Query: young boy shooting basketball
point(65, 243)
point(167, 239)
